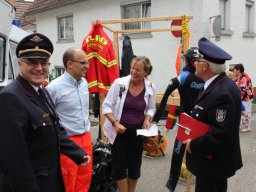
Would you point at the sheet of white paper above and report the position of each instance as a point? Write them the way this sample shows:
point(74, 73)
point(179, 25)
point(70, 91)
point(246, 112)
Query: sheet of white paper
point(153, 131)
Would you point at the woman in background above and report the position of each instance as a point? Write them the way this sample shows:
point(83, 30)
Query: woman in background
point(244, 83)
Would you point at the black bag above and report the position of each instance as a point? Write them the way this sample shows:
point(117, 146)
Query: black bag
point(102, 180)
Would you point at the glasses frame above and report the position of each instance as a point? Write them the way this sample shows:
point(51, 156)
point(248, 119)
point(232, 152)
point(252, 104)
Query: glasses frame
point(32, 63)
point(81, 62)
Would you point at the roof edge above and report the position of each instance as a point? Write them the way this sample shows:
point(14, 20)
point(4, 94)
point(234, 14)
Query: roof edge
point(44, 9)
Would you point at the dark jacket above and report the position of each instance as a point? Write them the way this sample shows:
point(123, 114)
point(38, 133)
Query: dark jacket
point(127, 56)
point(188, 88)
point(31, 140)
point(217, 154)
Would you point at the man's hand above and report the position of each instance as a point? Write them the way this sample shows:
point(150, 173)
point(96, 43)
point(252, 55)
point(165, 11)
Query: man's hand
point(86, 160)
point(187, 142)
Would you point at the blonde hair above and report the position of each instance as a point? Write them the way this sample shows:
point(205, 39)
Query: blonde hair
point(145, 61)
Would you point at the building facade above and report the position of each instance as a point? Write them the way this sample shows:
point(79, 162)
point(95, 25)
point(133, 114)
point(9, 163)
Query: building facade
point(67, 23)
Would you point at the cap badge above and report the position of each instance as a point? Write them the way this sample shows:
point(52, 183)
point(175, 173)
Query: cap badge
point(36, 39)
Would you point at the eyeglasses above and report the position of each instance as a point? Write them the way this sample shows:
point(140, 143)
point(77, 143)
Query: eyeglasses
point(81, 62)
point(33, 62)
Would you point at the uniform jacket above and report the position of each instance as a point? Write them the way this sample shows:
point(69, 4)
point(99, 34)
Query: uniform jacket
point(114, 103)
point(217, 154)
point(103, 67)
point(31, 140)
point(188, 86)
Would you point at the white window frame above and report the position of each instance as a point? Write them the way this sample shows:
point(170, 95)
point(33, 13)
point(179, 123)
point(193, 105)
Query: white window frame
point(65, 37)
point(14, 58)
point(59, 70)
point(249, 18)
point(2, 57)
point(143, 7)
point(225, 12)
point(56, 72)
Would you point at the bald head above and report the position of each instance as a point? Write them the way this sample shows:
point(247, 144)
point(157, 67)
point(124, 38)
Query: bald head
point(75, 62)
point(70, 54)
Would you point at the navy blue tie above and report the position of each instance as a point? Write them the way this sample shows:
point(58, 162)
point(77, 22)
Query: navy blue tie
point(43, 99)
point(41, 94)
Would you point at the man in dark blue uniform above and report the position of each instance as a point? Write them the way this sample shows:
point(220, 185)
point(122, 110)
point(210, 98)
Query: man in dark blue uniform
point(188, 85)
point(31, 138)
point(215, 156)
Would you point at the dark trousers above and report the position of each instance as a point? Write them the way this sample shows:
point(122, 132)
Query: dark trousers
point(177, 157)
point(126, 154)
point(203, 185)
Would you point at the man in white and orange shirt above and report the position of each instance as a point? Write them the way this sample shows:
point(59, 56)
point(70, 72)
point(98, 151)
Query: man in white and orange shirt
point(70, 96)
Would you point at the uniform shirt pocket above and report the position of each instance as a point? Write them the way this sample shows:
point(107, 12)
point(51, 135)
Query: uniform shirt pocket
point(200, 113)
point(42, 123)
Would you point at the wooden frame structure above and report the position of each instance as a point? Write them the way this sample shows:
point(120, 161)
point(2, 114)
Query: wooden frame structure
point(130, 20)
point(116, 44)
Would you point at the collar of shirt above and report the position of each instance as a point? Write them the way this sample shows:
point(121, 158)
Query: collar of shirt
point(71, 103)
point(208, 82)
point(35, 87)
point(71, 79)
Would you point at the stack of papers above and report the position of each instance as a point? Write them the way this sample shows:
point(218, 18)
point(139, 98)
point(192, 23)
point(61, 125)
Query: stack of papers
point(153, 131)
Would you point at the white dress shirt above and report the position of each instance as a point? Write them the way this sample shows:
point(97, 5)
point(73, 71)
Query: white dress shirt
point(71, 100)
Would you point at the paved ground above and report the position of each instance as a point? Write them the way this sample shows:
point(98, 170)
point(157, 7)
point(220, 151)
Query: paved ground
point(155, 171)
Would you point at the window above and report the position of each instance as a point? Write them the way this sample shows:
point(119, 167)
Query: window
point(136, 10)
point(65, 28)
point(2, 58)
point(56, 72)
point(10, 69)
point(224, 7)
point(16, 68)
point(59, 71)
point(223, 13)
point(249, 15)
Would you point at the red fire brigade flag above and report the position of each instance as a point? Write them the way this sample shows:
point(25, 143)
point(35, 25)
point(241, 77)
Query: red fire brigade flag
point(191, 128)
point(103, 67)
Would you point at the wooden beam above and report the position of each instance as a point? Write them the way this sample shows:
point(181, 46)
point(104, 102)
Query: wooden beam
point(113, 21)
point(109, 28)
point(102, 118)
point(149, 30)
point(12, 2)
point(171, 100)
point(116, 46)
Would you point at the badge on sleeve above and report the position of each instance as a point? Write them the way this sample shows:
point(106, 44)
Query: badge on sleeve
point(220, 115)
point(45, 115)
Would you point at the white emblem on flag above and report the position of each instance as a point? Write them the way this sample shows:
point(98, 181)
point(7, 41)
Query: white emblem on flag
point(220, 115)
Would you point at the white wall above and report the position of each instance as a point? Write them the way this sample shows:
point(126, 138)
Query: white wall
point(162, 48)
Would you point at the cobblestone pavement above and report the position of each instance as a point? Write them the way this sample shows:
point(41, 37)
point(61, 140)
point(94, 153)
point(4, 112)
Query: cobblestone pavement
point(154, 172)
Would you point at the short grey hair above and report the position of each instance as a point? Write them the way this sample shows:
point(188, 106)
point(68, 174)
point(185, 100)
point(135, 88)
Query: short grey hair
point(216, 68)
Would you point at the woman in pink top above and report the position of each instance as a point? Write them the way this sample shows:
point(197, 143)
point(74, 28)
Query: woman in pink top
point(244, 83)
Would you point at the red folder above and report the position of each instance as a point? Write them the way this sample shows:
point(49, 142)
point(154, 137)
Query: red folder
point(191, 128)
